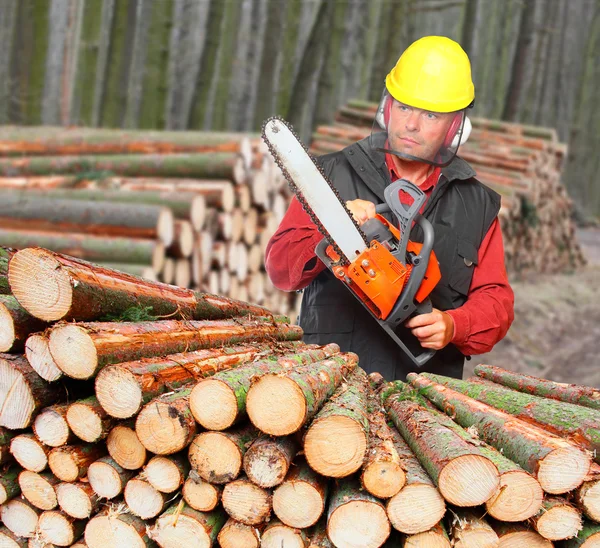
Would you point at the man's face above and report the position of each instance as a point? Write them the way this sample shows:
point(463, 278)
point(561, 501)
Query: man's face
point(417, 132)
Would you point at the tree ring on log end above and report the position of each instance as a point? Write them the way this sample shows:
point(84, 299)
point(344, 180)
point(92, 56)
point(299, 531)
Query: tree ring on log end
point(213, 404)
point(519, 497)
point(187, 532)
point(358, 524)
point(73, 351)
point(7, 329)
point(469, 480)
point(103, 531)
point(416, 508)
point(298, 504)
point(118, 392)
point(215, 457)
point(563, 469)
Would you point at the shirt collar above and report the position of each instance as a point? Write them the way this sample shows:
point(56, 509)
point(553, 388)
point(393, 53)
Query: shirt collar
point(426, 185)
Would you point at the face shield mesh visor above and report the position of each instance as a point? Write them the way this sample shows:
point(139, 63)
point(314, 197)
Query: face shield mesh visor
point(418, 135)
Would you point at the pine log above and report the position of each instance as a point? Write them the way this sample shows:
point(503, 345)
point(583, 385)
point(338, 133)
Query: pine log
point(183, 242)
point(200, 494)
point(38, 355)
point(235, 534)
point(356, 518)
point(16, 324)
point(51, 426)
point(588, 495)
point(89, 247)
point(81, 350)
point(107, 478)
point(217, 456)
point(469, 529)
point(220, 165)
point(418, 506)
point(144, 500)
point(20, 517)
point(71, 462)
point(436, 537)
point(581, 425)
point(38, 489)
point(571, 393)
point(382, 472)
point(246, 502)
point(27, 211)
point(277, 534)
point(88, 420)
point(165, 425)
point(5, 254)
point(268, 460)
point(9, 540)
point(6, 437)
point(114, 527)
point(51, 286)
point(557, 464)
point(9, 483)
point(124, 388)
point(125, 447)
point(344, 419)
point(167, 474)
point(59, 528)
point(78, 500)
point(518, 535)
point(464, 476)
point(300, 500)
point(22, 392)
point(220, 401)
point(588, 537)
point(557, 519)
point(280, 403)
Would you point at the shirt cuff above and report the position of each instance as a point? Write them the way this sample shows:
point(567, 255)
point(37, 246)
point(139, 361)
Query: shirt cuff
point(462, 325)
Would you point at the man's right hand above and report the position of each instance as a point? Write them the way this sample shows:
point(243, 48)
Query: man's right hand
point(361, 210)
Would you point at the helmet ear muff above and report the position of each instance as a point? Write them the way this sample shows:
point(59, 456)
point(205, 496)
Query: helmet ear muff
point(457, 135)
point(384, 112)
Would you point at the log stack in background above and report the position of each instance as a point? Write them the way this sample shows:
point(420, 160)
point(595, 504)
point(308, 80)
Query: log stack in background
point(522, 163)
point(193, 209)
point(219, 426)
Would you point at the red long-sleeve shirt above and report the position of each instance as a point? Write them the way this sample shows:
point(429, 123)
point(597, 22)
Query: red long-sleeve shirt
point(479, 324)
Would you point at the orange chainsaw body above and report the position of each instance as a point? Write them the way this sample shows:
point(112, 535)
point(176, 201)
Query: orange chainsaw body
point(377, 278)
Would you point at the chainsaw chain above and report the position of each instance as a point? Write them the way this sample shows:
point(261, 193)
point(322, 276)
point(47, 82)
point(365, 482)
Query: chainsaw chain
point(299, 195)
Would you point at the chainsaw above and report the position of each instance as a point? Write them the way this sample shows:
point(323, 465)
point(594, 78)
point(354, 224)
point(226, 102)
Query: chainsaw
point(391, 275)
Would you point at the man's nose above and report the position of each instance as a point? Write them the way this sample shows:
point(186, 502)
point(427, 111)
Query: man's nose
point(412, 122)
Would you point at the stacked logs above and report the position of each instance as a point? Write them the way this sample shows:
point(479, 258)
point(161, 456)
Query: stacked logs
point(219, 425)
point(522, 163)
point(193, 209)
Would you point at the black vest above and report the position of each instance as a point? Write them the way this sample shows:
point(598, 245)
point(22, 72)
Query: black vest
point(461, 210)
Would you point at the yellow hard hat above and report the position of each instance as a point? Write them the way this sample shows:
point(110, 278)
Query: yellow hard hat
point(433, 73)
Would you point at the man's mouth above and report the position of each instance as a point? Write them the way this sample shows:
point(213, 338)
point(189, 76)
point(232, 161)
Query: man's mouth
point(409, 140)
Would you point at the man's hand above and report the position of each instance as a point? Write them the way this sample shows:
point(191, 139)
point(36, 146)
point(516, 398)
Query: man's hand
point(361, 210)
point(434, 330)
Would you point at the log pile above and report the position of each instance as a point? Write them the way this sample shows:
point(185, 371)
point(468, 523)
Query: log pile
point(193, 209)
point(220, 426)
point(522, 163)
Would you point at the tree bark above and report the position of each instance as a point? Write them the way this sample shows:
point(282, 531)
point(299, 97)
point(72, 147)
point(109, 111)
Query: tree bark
point(588, 537)
point(280, 403)
point(570, 393)
point(5, 444)
point(16, 324)
point(5, 255)
point(9, 483)
point(10, 539)
point(346, 411)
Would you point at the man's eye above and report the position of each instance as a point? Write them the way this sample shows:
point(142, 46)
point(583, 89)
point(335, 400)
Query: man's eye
point(430, 116)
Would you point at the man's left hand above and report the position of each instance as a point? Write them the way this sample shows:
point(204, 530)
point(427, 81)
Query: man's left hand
point(434, 330)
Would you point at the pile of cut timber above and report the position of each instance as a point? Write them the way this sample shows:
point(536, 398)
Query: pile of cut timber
point(210, 422)
point(193, 209)
point(522, 163)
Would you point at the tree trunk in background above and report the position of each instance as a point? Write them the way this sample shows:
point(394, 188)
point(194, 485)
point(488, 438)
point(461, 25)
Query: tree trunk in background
point(288, 47)
point(7, 32)
point(265, 97)
point(104, 42)
point(385, 33)
point(519, 64)
point(68, 105)
point(469, 28)
point(207, 68)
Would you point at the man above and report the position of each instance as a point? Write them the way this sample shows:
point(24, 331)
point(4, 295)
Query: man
point(420, 124)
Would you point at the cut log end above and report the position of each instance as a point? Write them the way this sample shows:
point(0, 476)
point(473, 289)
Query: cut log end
point(235, 534)
point(52, 428)
point(563, 470)
point(29, 453)
point(266, 465)
point(165, 226)
point(143, 500)
point(298, 504)
point(9, 540)
point(125, 448)
point(7, 329)
point(215, 457)
point(76, 499)
point(105, 480)
point(416, 508)
point(201, 495)
point(246, 502)
point(162, 429)
point(213, 404)
point(469, 480)
point(40, 284)
point(279, 535)
point(103, 531)
point(560, 522)
point(163, 474)
point(19, 402)
point(184, 531)
point(338, 459)
point(383, 479)
point(429, 539)
point(518, 498)
point(64, 465)
point(58, 529)
point(38, 355)
point(286, 409)
point(85, 423)
point(519, 539)
point(358, 523)
point(19, 517)
point(73, 351)
point(118, 392)
point(589, 499)
point(38, 489)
